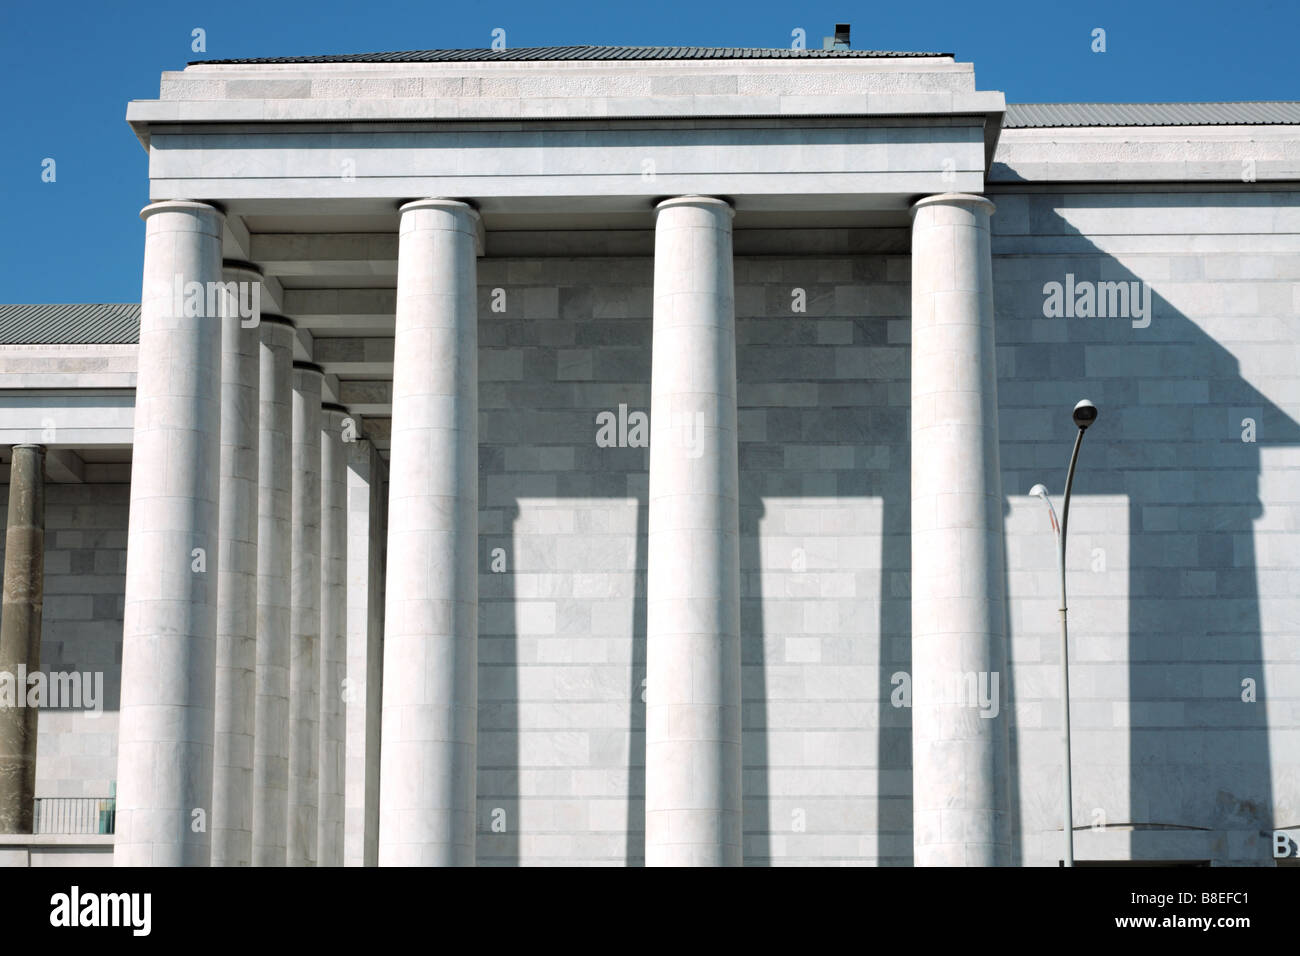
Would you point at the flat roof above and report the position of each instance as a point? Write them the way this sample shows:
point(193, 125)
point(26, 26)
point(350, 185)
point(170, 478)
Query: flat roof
point(1250, 113)
point(79, 323)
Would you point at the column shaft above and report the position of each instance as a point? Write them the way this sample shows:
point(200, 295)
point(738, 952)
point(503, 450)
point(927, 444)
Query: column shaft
point(274, 568)
point(20, 634)
point(236, 698)
point(304, 620)
point(959, 723)
point(333, 631)
point(367, 503)
point(427, 763)
point(693, 761)
point(165, 730)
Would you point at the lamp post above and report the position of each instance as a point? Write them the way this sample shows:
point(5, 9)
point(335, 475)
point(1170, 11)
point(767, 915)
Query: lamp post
point(1085, 413)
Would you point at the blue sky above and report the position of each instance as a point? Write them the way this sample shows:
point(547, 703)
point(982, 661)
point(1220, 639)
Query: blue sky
point(70, 68)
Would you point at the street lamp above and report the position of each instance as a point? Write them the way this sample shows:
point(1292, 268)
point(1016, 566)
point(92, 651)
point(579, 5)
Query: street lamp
point(1085, 413)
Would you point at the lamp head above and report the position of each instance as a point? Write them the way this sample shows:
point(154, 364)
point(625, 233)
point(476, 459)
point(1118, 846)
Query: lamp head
point(1038, 491)
point(1085, 413)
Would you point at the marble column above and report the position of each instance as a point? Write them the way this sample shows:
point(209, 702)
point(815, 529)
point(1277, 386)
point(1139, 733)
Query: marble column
point(165, 728)
point(236, 700)
point(367, 502)
point(20, 634)
point(333, 627)
point(304, 619)
point(959, 712)
point(693, 761)
point(427, 762)
point(274, 569)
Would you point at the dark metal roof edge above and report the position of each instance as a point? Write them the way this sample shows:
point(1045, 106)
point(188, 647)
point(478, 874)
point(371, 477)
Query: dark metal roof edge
point(582, 52)
point(638, 117)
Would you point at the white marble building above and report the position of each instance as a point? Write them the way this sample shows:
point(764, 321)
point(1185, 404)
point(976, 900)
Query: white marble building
point(628, 463)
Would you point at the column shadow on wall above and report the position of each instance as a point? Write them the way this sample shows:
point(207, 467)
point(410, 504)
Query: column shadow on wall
point(635, 843)
point(756, 842)
point(1007, 669)
point(522, 416)
point(1198, 755)
point(863, 420)
point(500, 813)
point(894, 724)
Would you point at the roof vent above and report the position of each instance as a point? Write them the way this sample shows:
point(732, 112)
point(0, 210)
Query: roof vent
point(841, 39)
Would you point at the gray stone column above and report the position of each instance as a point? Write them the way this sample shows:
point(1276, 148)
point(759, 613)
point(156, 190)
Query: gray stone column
point(304, 619)
point(427, 763)
point(367, 502)
point(274, 568)
point(333, 629)
point(693, 763)
point(20, 633)
point(169, 629)
point(236, 700)
point(959, 747)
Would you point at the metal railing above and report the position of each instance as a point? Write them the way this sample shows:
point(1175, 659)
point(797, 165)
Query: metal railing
point(74, 815)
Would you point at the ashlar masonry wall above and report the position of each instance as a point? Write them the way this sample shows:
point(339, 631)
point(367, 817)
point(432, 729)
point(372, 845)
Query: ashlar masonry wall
point(823, 393)
point(1184, 557)
point(81, 632)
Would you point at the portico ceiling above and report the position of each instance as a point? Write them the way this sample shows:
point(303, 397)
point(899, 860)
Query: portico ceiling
point(336, 276)
point(563, 152)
